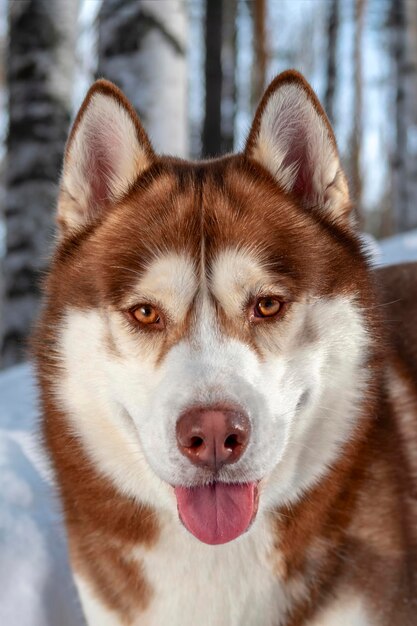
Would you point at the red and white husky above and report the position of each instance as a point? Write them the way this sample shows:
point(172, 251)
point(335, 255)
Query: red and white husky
point(231, 421)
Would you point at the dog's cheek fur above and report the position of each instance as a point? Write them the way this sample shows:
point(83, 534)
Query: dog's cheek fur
point(330, 344)
point(94, 389)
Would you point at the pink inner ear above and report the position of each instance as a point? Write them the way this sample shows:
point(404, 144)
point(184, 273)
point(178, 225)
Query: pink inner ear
point(298, 155)
point(303, 185)
point(101, 170)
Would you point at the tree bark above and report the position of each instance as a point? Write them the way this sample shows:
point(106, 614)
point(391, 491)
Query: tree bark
point(332, 39)
point(39, 77)
point(142, 48)
point(228, 103)
point(212, 129)
point(408, 219)
point(259, 67)
point(398, 160)
point(356, 170)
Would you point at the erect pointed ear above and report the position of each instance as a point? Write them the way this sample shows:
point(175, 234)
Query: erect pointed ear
point(292, 138)
point(106, 151)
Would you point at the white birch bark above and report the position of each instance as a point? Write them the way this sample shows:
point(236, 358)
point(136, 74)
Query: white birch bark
point(357, 130)
point(403, 24)
point(408, 219)
point(229, 54)
point(142, 48)
point(39, 76)
point(333, 18)
point(399, 153)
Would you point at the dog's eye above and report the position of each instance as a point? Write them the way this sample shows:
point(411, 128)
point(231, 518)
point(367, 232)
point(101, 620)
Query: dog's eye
point(147, 314)
point(267, 307)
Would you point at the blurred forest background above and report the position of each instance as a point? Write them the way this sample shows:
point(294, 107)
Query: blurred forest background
point(195, 70)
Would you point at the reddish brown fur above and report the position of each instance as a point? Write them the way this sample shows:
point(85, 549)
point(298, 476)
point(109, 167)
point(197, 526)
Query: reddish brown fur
point(357, 527)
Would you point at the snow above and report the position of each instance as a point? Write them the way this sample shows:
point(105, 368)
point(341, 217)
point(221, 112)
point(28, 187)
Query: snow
point(399, 248)
point(36, 587)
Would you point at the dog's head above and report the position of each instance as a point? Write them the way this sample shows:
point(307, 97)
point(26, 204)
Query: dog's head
point(212, 338)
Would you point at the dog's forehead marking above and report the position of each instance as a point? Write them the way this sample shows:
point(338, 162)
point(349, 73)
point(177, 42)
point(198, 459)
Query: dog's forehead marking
point(170, 279)
point(174, 279)
point(237, 273)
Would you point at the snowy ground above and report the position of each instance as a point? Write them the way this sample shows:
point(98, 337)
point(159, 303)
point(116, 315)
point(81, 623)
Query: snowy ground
point(36, 588)
point(35, 583)
point(399, 249)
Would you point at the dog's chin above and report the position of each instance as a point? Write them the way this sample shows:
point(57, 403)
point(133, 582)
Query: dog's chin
point(218, 512)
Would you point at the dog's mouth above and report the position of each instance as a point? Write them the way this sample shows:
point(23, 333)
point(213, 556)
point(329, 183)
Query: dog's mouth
point(218, 512)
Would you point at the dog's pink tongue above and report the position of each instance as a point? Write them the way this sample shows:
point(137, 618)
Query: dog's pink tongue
point(217, 513)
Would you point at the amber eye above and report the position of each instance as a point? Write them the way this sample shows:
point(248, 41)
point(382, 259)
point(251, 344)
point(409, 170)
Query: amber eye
point(146, 314)
point(267, 307)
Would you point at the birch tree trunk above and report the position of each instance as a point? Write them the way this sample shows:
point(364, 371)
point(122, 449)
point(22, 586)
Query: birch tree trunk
point(212, 129)
point(397, 23)
point(229, 51)
point(258, 77)
point(409, 219)
point(357, 132)
point(332, 39)
point(142, 49)
point(39, 77)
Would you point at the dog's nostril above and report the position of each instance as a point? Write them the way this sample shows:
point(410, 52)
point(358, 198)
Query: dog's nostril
point(214, 436)
point(196, 442)
point(231, 442)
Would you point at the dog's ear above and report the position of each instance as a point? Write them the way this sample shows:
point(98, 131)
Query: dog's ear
point(292, 138)
point(106, 151)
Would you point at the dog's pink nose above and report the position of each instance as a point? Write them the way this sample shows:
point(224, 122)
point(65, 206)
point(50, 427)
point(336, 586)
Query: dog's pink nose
point(212, 437)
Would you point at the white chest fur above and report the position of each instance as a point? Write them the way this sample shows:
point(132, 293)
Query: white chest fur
point(230, 585)
point(236, 584)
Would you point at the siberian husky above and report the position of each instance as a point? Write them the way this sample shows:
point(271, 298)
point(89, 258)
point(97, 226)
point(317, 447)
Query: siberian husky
point(228, 389)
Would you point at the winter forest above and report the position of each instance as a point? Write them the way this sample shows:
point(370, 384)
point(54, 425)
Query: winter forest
point(195, 70)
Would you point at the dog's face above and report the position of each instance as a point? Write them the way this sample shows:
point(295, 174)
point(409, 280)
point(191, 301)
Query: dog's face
point(211, 336)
